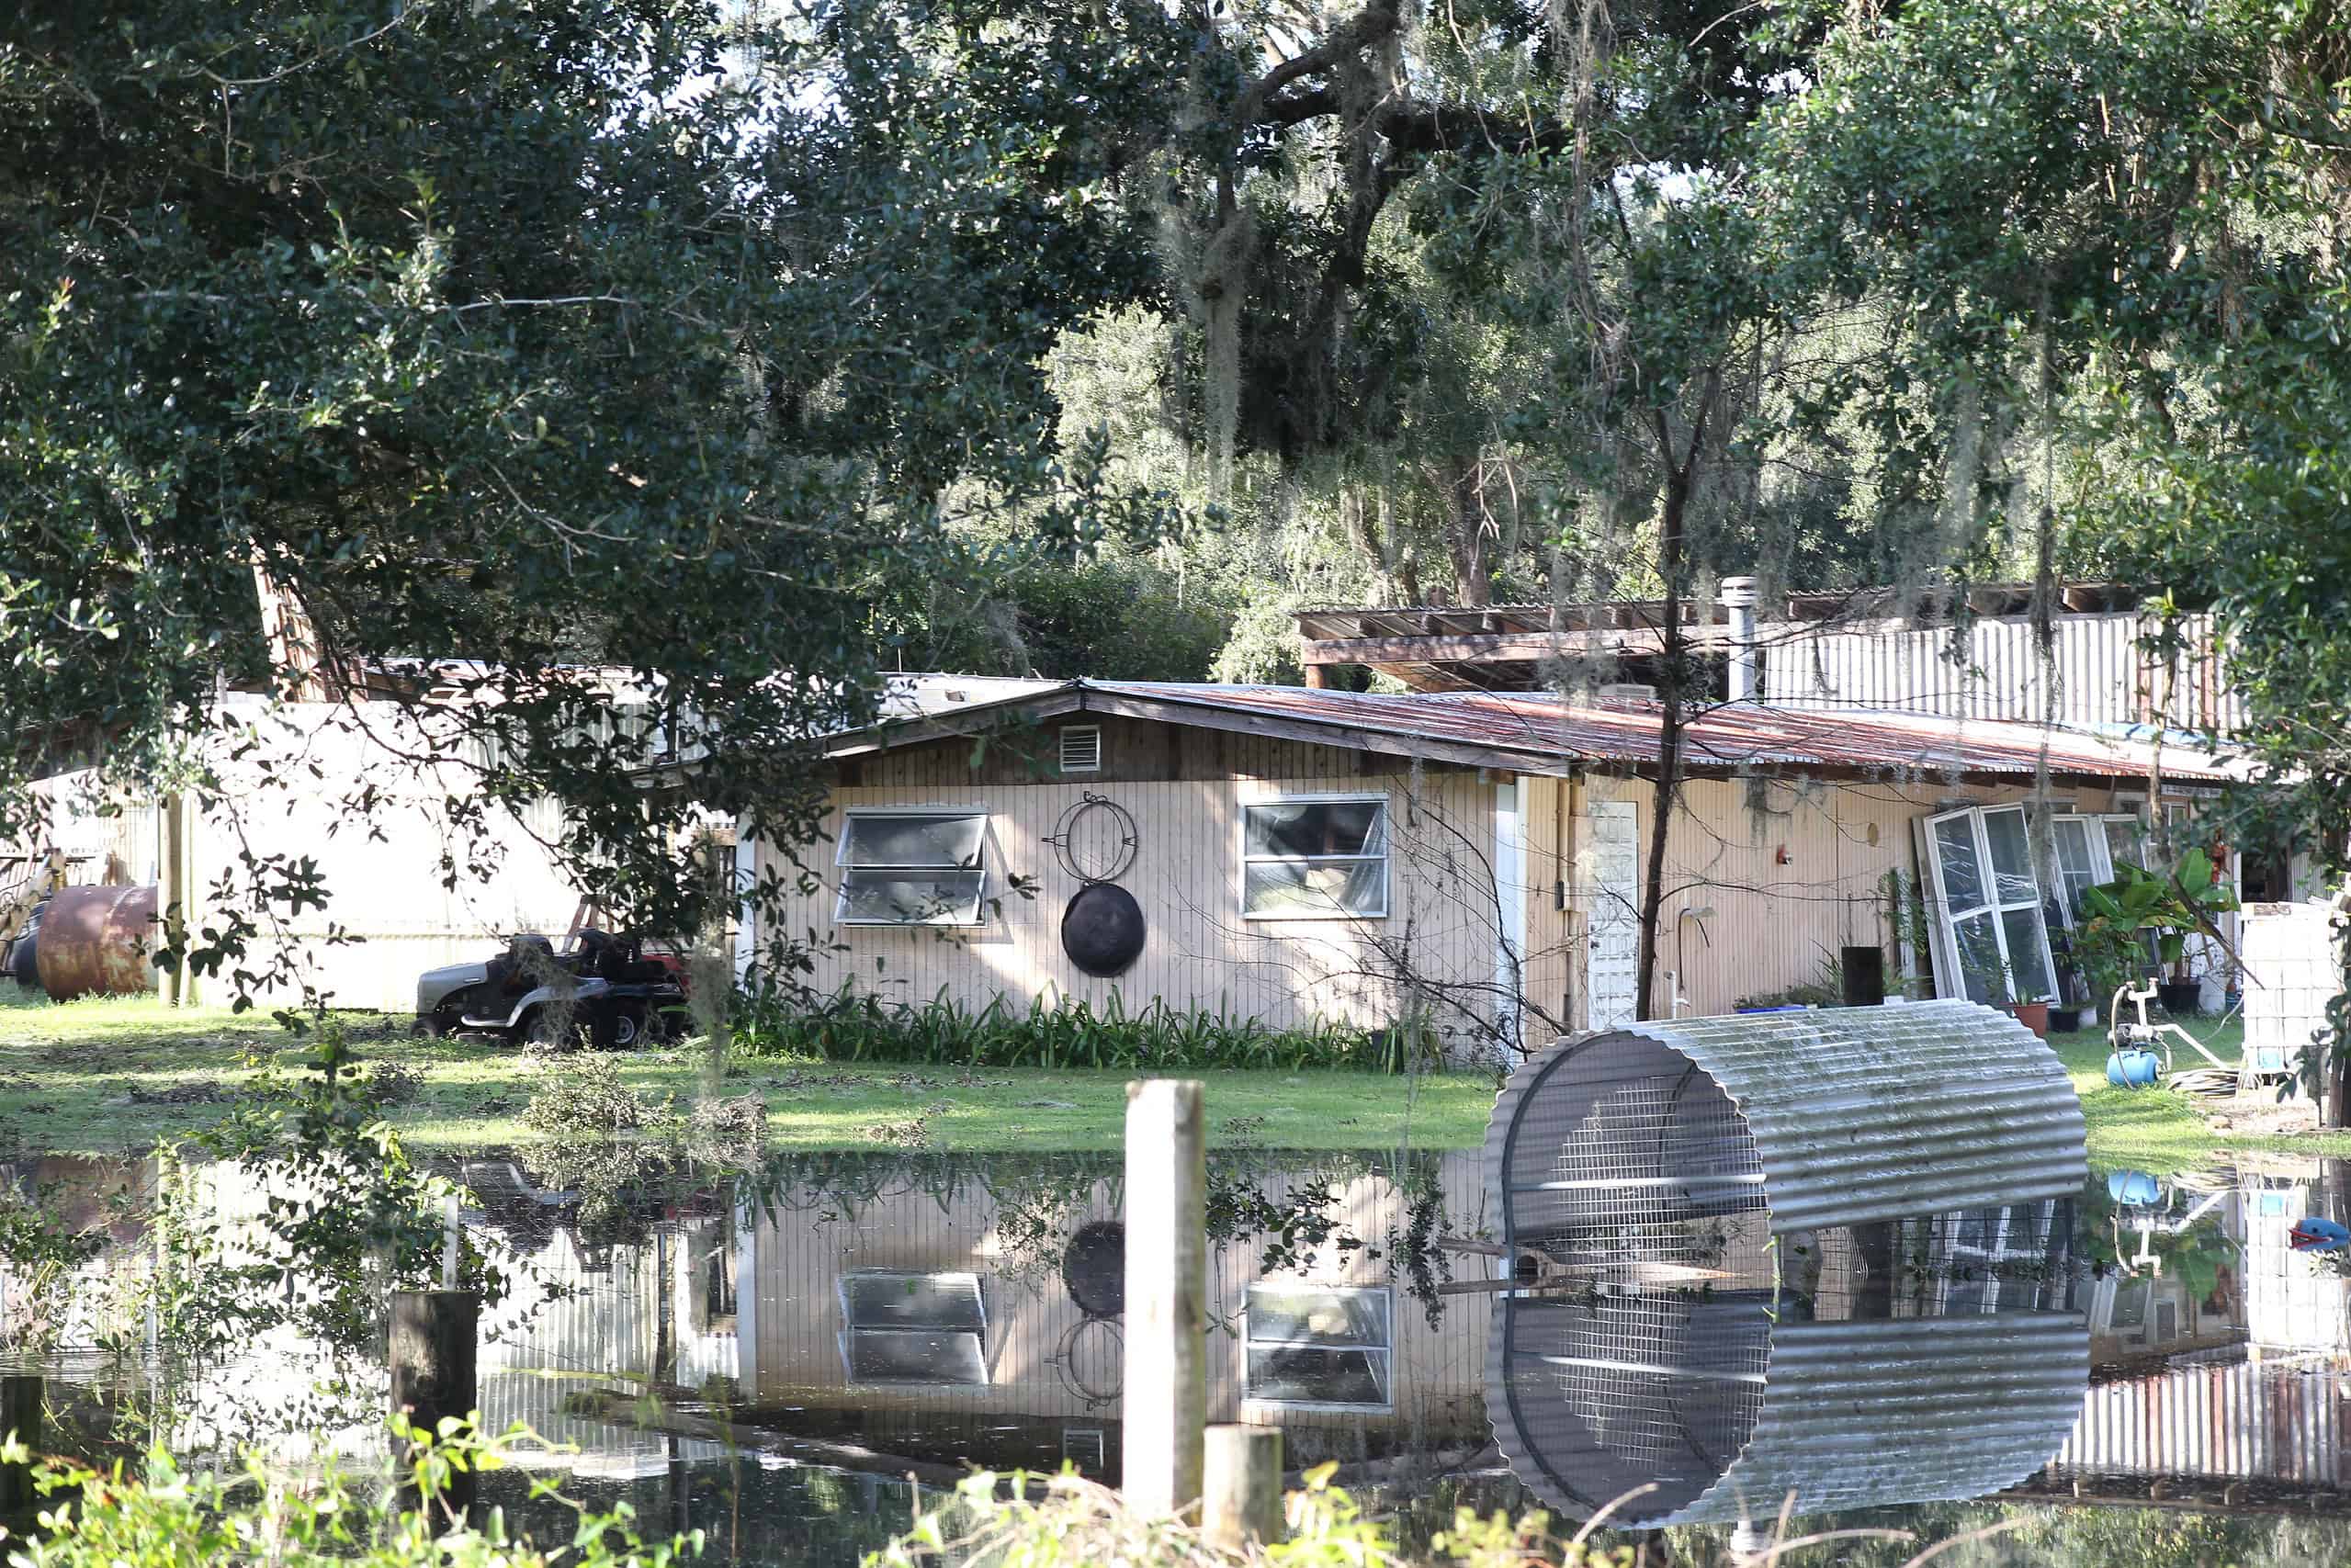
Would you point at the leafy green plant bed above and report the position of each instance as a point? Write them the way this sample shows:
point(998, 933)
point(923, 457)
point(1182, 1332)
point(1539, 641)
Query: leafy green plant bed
point(854, 1027)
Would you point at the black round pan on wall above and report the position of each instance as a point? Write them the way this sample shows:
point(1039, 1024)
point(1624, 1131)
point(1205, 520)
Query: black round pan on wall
point(1102, 930)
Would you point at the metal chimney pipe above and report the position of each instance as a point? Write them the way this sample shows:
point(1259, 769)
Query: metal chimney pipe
point(1738, 597)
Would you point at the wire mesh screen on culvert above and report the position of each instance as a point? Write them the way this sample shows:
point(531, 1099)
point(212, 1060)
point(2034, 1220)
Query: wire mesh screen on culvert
point(1731, 1235)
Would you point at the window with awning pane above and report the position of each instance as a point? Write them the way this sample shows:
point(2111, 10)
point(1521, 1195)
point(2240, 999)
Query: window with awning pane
point(904, 1327)
point(912, 868)
point(1319, 1345)
point(1315, 859)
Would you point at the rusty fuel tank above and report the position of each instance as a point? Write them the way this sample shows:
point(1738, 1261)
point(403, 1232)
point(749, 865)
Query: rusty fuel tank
point(97, 942)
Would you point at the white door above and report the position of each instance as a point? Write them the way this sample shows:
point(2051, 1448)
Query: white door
point(1611, 878)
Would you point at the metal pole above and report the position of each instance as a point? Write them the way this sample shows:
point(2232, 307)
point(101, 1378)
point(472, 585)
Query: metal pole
point(1242, 1502)
point(1166, 1391)
point(433, 1336)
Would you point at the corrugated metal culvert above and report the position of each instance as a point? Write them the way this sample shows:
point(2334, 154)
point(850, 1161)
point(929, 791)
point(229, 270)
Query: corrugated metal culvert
point(1827, 1253)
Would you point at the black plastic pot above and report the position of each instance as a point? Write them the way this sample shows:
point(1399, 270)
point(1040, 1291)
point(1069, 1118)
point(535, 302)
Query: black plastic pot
point(2181, 998)
point(2064, 1020)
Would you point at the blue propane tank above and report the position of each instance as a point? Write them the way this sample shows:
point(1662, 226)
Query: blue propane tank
point(2133, 1066)
point(2133, 1188)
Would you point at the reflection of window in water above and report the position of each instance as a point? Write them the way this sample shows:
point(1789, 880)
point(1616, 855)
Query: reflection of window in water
point(717, 1299)
point(1998, 1260)
point(898, 1328)
point(2131, 1305)
point(1319, 1345)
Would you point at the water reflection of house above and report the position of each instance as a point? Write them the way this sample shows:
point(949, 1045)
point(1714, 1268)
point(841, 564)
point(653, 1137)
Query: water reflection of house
point(2295, 1302)
point(928, 1311)
point(2177, 1281)
point(2216, 1419)
point(2231, 1373)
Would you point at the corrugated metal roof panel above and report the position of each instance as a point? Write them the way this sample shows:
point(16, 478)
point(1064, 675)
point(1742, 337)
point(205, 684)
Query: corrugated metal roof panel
point(2246, 1419)
point(1536, 733)
point(1528, 729)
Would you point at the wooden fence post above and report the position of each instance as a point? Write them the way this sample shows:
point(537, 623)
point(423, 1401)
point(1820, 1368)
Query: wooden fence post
point(1242, 1502)
point(433, 1336)
point(20, 1415)
point(1166, 1391)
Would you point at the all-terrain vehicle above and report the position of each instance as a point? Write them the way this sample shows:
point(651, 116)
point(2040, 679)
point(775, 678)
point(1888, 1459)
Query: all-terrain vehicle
point(603, 988)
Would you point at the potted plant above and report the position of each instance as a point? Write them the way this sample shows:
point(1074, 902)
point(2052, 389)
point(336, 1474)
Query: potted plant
point(1989, 976)
point(2139, 905)
point(2032, 1014)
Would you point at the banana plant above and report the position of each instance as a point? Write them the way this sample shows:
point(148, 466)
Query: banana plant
point(2139, 903)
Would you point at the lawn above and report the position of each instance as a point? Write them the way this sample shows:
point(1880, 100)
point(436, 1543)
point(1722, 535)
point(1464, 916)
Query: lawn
point(2155, 1128)
point(105, 1077)
point(111, 1076)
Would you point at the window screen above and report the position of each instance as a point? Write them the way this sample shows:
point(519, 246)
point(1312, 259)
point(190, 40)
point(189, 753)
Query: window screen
point(1308, 859)
point(898, 1328)
point(1319, 1345)
point(908, 868)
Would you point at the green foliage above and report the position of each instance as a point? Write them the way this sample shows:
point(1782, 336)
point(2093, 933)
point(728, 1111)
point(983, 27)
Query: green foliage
point(2112, 945)
point(854, 1026)
point(1014, 611)
point(41, 1254)
point(545, 360)
point(159, 1516)
point(994, 1520)
point(343, 1213)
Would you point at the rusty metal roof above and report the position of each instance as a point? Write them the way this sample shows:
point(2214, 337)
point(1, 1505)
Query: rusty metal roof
point(1535, 732)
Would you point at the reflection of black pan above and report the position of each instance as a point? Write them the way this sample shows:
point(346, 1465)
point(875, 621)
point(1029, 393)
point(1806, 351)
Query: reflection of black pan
point(1102, 930)
point(1094, 1268)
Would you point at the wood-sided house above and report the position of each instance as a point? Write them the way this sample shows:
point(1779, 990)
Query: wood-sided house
point(1473, 860)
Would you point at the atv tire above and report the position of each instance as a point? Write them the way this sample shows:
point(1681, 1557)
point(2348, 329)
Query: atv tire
point(544, 1025)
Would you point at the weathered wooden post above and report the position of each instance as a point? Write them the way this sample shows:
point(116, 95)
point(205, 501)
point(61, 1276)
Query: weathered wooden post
point(20, 1417)
point(434, 1335)
point(1165, 1390)
point(1242, 1502)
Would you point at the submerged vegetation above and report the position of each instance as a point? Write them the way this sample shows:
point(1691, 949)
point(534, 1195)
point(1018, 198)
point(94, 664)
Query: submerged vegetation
point(154, 1514)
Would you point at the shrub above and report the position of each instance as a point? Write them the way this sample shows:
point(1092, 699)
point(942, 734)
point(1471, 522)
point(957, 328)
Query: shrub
point(160, 1516)
point(854, 1027)
point(1077, 1524)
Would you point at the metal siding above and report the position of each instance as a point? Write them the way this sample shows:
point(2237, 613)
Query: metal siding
point(1199, 952)
point(2242, 1420)
point(2099, 673)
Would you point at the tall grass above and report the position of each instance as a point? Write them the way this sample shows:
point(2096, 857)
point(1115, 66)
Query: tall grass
point(1058, 1032)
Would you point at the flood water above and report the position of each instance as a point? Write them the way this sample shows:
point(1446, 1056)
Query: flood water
point(787, 1359)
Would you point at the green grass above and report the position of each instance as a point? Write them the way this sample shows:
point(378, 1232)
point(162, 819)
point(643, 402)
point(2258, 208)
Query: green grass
point(93, 1077)
point(106, 1077)
point(2153, 1129)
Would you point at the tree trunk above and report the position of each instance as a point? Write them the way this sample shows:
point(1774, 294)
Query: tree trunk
point(1670, 550)
point(1468, 539)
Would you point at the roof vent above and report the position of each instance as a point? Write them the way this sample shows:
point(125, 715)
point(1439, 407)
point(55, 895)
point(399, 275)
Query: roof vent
point(1628, 691)
point(1082, 749)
